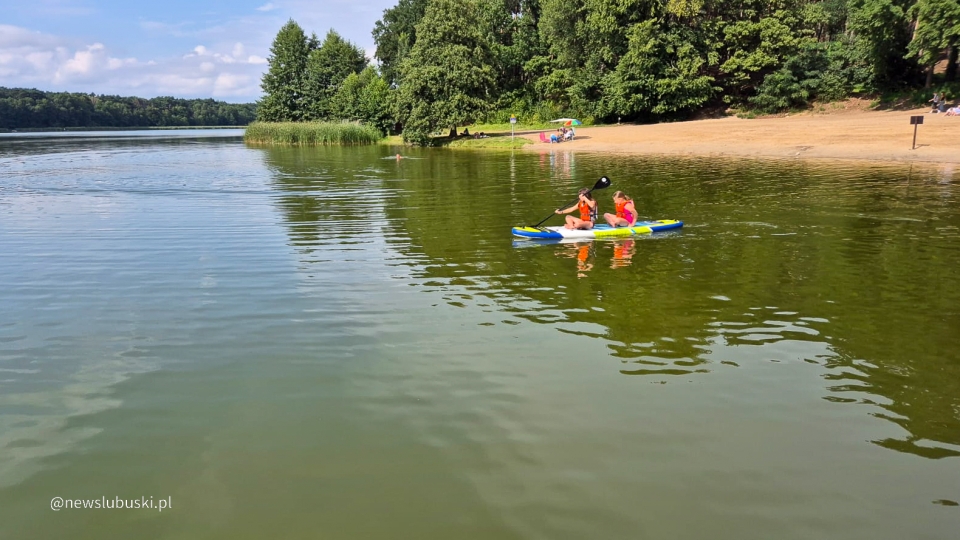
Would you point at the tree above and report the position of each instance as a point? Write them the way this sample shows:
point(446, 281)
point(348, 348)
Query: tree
point(327, 67)
point(662, 72)
point(365, 97)
point(511, 29)
point(937, 27)
point(883, 33)
point(283, 84)
point(447, 78)
point(395, 34)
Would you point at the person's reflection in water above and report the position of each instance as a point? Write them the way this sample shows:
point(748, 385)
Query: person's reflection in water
point(582, 251)
point(622, 253)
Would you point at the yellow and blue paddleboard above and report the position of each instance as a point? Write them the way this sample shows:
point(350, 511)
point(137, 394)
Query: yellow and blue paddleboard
point(598, 231)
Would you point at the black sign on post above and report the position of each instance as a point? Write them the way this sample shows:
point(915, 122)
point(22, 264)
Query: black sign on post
point(915, 121)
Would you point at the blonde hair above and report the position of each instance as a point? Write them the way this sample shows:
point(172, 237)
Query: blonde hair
point(621, 195)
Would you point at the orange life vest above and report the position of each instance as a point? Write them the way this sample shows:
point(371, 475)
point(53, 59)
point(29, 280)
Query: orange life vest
point(587, 213)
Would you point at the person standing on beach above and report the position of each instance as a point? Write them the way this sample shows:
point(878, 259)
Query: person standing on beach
point(937, 98)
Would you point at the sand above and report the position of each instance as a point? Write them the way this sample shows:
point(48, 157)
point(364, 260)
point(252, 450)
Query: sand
point(847, 131)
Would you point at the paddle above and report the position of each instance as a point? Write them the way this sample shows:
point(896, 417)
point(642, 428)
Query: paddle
point(602, 183)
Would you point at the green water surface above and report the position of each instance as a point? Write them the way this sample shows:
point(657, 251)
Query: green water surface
point(332, 343)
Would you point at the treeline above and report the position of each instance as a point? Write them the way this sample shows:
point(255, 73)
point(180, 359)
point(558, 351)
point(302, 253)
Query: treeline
point(21, 108)
point(445, 63)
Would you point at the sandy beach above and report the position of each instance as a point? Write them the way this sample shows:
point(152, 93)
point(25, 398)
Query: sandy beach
point(840, 132)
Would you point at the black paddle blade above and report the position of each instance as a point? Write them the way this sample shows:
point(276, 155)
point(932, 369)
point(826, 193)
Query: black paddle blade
point(602, 183)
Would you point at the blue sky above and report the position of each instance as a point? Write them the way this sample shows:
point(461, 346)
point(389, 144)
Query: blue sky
point(176, 48)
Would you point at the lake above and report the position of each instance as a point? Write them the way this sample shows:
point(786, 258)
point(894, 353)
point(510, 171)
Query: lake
point(333, 343)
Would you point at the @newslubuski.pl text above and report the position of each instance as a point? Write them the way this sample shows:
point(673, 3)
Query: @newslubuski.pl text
point(143, 503)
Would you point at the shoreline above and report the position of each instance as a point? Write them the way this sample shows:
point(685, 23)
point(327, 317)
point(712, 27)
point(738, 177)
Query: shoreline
point(848, 135)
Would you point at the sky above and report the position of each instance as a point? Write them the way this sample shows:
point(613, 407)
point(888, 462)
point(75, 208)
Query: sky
point(200, 49)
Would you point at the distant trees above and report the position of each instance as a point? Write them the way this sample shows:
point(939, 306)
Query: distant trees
point(22, 108)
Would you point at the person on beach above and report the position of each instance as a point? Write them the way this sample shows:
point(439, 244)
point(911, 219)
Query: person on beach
point(588, 211)
point(953, 111)
point(626, 214)
point(937, 98)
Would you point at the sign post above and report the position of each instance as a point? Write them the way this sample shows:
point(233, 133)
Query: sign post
point(915, 121)
point(513, 122)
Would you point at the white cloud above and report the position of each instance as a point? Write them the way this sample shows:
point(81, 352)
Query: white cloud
point(267, 7)
point(32, 59)
point(83, 62)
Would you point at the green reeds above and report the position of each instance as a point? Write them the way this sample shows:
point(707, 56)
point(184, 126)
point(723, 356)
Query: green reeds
point(310, 133)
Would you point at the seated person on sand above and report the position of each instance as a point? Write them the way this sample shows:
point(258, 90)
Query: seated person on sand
point(953, 111)
point(568, 135)
point(937, 98)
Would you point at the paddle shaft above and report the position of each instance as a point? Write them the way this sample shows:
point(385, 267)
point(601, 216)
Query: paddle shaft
point(561, 208)
point(602, 183)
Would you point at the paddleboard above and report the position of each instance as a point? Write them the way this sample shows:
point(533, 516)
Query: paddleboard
point(598, 231)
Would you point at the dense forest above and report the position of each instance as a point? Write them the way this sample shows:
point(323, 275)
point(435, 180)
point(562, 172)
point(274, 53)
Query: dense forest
point(22, 109)
point(446, 63)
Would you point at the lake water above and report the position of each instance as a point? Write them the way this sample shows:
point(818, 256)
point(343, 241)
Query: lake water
point(331, 343)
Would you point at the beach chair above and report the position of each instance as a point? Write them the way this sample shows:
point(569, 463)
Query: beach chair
point(543, 138)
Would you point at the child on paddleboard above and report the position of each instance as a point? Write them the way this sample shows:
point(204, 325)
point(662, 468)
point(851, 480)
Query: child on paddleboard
point(626, 215)
point(588, 211)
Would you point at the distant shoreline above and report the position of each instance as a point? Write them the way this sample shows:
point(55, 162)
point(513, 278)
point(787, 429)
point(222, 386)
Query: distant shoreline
point(100, 128)
point(838, 134)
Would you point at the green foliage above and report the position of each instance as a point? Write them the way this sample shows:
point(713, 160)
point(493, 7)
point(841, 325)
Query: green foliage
point(327, 67)
point(883, 33)
point(366, 97)
point(283, 83)
point(661, 72)
point(448, 76)
point(822, 71)
point(937, 27)
point(395, 34)
point(755, 48)
point(21, 109)
point(310, 133)
point(444, 63)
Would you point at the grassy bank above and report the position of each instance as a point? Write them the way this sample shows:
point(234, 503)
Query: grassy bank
point(498, 140)
point(310, 133)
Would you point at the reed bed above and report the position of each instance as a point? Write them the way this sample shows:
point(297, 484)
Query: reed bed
point(310, 133)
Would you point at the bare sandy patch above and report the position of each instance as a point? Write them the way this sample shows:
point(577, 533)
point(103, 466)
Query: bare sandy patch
point(845, 131)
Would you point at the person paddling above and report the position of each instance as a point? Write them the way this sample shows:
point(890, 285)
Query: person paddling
point(626, 214)
point(588, 211)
